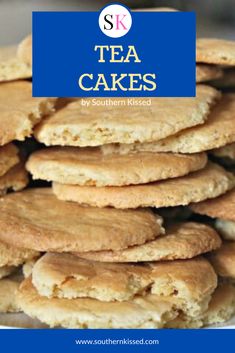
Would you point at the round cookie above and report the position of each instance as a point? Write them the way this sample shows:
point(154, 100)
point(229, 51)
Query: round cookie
point(11, 67)
point(8, 289)
point(89, 166)
point(218, 131)
point(15, 179)
point(20, 111)
point(223, 261)
point(36, 219)
point(76, 125)
point(207, 183)
point(141, 312)
point(221, 308)
point(215, 51)
point(182, 241)
point(207, 72)
point(9, 157)
point(190, 282)
point(222, 305)
point(222, 207)
point(12, 256)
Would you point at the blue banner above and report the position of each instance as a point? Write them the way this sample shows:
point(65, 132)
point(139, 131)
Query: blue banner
point(108, 341)
point(87, 54)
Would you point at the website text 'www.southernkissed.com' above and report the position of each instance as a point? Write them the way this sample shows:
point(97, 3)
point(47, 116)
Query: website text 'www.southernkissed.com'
point(123, 341)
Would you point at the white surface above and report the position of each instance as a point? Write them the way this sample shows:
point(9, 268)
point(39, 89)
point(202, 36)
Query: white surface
point(23, 321)
point(19, 320)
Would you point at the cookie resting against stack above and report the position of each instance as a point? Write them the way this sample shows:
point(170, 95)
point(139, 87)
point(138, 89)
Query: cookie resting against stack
point(222, 210)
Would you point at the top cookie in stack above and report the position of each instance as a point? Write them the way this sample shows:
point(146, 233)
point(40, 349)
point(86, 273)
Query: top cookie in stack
point(112, 121)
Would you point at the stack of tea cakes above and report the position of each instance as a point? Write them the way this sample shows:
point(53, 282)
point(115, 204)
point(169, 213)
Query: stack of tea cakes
point(118, 246)
point(91, 278)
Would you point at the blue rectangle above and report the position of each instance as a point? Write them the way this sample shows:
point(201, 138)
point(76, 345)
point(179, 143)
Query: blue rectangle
point(63, 52)
point(86, 341)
